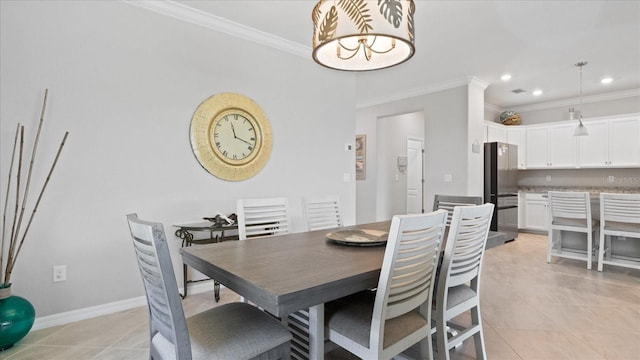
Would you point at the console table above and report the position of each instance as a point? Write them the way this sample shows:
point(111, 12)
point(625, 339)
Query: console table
point(216, 234)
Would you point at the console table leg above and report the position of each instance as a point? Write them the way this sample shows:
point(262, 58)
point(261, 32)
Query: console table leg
point(216, 290)
point(184, 280)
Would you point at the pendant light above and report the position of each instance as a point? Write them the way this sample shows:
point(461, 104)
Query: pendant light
point(362, 35)
point(581, 130)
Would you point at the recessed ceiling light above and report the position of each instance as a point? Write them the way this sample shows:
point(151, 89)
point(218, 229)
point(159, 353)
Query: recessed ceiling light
point(606, 80)
point(505, 77)
point(537, 92)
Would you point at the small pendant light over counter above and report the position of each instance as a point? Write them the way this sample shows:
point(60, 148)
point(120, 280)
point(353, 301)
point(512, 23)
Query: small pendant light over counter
point(362, 35)
point(581, 130)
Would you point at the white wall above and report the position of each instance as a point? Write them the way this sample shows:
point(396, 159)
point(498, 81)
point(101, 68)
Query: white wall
point(445, 135)
point(125, 82)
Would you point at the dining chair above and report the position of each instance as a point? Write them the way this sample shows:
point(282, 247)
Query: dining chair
point(262, 217)
point(381, 324)
point(448, 202)
point(570, 212)
point(322, 212)
point(458, 281)
point(232, 331)
point(619, 216)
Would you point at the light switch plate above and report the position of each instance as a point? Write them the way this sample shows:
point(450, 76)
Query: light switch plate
point(448, 178)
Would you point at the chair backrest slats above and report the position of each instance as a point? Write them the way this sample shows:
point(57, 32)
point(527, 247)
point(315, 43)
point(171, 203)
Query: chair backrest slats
point(465, 245)
point(262, 217)
point(449, 202)
point(408, 269)
point(570, 205)
point(166, 316)
point(322, 212)
point(623, 208)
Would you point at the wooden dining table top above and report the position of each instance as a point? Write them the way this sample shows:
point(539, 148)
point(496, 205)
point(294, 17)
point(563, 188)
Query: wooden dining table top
point(286, 273)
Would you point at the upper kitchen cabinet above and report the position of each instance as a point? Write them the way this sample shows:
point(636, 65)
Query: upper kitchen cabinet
point(610, 143)
point(550, 146)
point(516, 136)
point(495, 132)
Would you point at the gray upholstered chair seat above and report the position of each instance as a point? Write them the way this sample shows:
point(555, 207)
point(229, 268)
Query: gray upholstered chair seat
point(620, 226)
point(579, 223)
point(352, 315)
point(234, 321)
point(459, 294)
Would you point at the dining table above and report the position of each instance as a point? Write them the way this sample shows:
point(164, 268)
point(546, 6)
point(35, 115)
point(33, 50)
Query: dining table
point(291, 274)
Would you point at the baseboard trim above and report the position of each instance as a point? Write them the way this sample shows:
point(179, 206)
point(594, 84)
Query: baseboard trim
point(106, 309)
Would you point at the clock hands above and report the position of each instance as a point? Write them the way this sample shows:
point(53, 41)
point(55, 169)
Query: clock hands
point(236, 137)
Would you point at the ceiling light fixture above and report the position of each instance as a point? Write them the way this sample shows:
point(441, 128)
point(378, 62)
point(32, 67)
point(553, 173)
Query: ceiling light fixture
point(362, 35)
point(537, 92)
point(581, 130)
point(606, 80)
point(505, 77)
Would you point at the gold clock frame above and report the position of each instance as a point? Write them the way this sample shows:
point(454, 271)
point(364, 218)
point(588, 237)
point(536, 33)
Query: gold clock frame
point(204, 120)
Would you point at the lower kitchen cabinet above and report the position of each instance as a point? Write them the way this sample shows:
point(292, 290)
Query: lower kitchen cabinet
point(534, 213)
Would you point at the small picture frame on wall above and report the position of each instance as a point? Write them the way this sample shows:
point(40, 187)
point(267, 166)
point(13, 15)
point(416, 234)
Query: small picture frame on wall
point(361, 157)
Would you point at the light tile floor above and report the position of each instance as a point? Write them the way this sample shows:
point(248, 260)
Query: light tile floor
point(531, 310)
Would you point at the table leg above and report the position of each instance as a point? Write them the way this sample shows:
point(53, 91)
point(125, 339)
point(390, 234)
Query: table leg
point(316, 332)
point(184, 280)
point(216, 290)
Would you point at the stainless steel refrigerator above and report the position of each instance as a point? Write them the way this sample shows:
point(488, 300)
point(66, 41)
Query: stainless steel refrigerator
point(501, 186)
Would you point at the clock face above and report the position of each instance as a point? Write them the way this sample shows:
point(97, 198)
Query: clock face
point(230, 136)
point(234, 136)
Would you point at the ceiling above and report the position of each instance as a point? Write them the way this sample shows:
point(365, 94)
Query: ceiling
point(537, 42)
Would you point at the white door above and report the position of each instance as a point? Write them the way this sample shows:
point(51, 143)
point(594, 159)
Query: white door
point(414, 176)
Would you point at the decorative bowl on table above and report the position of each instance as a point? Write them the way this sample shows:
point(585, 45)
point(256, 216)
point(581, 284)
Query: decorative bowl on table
point(359, 237)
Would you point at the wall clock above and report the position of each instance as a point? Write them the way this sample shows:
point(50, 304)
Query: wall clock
point(231, 136)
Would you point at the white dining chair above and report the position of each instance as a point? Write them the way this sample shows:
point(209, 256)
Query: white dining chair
point(322, 212)
point(458, 282)
point(570, 212)
point(262, 217)
point(381, 324)
point(620, 217)
point(448, 202)
point(232, 331)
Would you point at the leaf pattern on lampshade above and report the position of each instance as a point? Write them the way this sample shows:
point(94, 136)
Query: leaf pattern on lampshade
point(392, 11)
point(358, 12)
point(412, 9)
point(329, 25)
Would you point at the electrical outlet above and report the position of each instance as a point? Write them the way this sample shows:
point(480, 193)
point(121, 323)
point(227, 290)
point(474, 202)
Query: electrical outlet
point(548, 177)
point(612, 178)
point(448, 178)
point(59, 273)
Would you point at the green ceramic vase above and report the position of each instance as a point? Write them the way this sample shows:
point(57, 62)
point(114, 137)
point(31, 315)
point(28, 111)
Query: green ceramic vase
point(16, 319)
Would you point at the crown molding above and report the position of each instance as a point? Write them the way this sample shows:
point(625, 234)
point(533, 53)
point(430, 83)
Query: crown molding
point(213, 22)
point(574, 101)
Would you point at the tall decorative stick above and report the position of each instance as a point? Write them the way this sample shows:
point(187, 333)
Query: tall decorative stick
point(35, 208)
point(14, 240)
point(14, 236)
point(6, 202)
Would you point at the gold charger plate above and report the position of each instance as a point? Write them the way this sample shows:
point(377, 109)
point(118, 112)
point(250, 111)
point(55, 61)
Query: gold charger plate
point(359, 237)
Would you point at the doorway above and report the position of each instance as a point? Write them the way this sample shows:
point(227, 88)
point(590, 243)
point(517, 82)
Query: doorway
point(415, 176)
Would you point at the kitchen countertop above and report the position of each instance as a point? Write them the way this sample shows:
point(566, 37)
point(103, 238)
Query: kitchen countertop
point(593, 190)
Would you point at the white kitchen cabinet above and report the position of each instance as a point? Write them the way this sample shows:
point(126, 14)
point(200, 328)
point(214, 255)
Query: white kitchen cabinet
point(552, 146)
point(516, 136)
point(495, 132)
point(610, 143)
point(535, 213)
